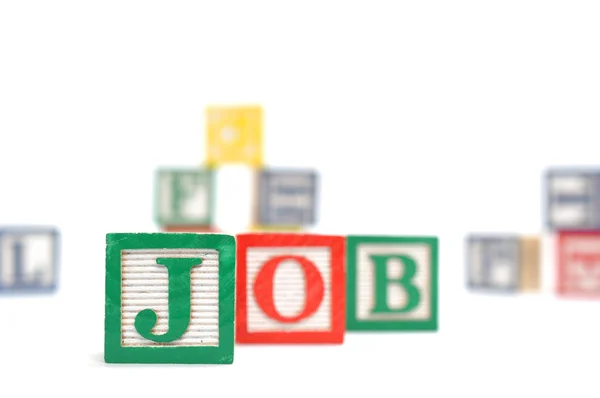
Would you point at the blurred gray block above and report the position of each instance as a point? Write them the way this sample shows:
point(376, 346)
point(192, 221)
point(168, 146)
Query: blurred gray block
point(493, 262)
point(28, 259)
point(287, 197)
point(573, 199)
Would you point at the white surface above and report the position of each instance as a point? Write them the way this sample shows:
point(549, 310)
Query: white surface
point(423, 117)
point(289, 289)
point(145, 284)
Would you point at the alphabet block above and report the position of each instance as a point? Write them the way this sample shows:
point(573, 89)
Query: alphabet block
point(185, 197)
point(573, 199)
point(578, 258)
point(28, 259)
point(234, 135)
point(291, 288)
point(392, 283)
point(508, 263)
point(285, 198)
point(169, 298)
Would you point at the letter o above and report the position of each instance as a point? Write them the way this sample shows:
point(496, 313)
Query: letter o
point(264, 284)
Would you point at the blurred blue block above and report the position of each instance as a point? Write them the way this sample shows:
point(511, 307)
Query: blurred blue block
point(287, 197)
point(493, 262)
point(28, 259)
point(573, 199)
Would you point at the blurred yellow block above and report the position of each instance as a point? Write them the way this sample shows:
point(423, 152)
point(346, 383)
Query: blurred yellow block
point(234, 135)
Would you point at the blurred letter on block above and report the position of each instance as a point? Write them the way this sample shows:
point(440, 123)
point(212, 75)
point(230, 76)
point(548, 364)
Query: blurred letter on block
point(234, 135)
point(28, 259)
point(508, 263)
point(285, 199)
point(573, 199)
point(579, 264)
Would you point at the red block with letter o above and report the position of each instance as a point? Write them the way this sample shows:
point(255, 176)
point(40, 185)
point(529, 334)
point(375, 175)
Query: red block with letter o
point(291, 288)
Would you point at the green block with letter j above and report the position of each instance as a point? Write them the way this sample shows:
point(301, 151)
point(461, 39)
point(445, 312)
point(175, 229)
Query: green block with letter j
point(392, 283)
point(169, 298)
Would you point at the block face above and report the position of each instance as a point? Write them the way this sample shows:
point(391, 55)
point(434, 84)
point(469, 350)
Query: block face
point(234, 135)
point(573, 199)
point(290, 288)
point(287, 197)
point(169, 298)
point(185, 197)
point(579, 264)
point(392, 283)
point(28, 259)
point(146, 285)
point(494, 262)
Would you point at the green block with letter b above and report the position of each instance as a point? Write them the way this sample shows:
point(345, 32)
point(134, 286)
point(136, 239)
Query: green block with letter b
point(392, 283)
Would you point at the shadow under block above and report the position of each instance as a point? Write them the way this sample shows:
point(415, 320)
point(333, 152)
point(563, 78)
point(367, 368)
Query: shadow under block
point(275, 228)
point(169, 298)
point(184, 197)
point(234, 135)
point(190, 228)
point(28, 260)
point(578, 264)
point(392, 283)
point(290, 289)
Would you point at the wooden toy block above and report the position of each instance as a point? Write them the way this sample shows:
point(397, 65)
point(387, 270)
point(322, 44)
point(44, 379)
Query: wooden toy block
point(503, 263)
point(392, 283)
point(190, 228)
point(285, 198)
point(185, 197)
point(291, 288)
point(578, 255)
point(530, 275)
point(493, 262)
point(28, 259)
point(234, 135)
point(169, 298)
point(573, 199)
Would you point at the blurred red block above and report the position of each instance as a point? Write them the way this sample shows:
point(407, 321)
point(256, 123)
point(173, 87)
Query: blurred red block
point(578, 261)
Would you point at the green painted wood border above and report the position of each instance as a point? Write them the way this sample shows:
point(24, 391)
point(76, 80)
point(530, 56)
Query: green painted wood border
point(209, 174)
point(352, 323)
point(115, 353)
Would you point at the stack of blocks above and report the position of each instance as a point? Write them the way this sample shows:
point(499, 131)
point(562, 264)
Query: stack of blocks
point(188, 297)
point(512, 263)
point(285, 200)
point(573, 214)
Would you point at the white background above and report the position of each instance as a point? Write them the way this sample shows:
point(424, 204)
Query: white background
point(422, 117)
